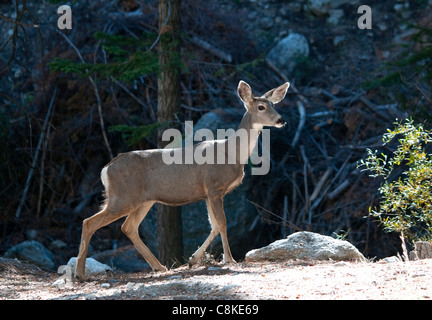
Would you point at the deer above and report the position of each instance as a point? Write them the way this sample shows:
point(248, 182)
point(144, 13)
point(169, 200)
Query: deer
point(135, 180)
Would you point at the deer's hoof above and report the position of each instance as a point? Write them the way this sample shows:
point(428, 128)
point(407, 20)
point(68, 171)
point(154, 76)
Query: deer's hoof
point(229, 261)
point(192, 261)
point(80, 276)
point(160, 268)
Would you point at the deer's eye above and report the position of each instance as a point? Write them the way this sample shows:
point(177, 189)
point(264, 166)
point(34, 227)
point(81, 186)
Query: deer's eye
point(261, 108)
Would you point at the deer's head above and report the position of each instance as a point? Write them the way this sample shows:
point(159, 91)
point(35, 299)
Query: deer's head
point(261, 109)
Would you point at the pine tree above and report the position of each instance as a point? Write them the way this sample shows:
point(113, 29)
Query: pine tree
point(169, 218)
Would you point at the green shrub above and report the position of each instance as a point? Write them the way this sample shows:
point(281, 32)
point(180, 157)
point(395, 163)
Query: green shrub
point(134, 134)
point(129, 58)
point(406, 199)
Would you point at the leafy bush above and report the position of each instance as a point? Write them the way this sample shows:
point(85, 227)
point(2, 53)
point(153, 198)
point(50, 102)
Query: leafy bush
point(134, 134)
point(406, 204)
point(129, 58)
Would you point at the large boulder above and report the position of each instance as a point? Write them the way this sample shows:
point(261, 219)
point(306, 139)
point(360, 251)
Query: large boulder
point(288, 52)
point(306, 245)
point(33, 252)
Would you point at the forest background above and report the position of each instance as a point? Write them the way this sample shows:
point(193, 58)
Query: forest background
point(72, 99)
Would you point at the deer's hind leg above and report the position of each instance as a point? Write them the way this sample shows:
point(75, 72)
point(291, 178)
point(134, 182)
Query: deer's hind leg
point(90, 226)
point(130, 229)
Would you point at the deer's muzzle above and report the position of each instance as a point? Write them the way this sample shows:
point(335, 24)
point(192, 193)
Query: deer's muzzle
point(280, 122)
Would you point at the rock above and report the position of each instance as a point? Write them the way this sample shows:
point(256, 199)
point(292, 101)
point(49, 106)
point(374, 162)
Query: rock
point(335, 16)
point(92, 266)
point(402, 8)
point(338, 40)
point(318, 7)
point(57, 245)
point(31, 234)
point(130, 286)
point(221, 118)
point(252, 15)
point(288, 51)
point(32, 251)
point(59, 283)
point(293, 7)
point(391, 259)
point(321, 8)
point(214, 268)
point(306, 245)
point(105, 285)
point(422, 250)
point(266, 23)
point(126, 259)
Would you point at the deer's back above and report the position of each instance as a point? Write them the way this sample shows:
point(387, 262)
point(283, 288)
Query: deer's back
point(140, 176)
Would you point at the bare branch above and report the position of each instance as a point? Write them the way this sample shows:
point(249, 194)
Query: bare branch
point(18, 22)
point(36, 156)
point(210, 48)
point(339, 189)
point(302, 122)
point(99, 103)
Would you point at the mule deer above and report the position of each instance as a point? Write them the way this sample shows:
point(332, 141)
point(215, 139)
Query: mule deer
point(134, 181)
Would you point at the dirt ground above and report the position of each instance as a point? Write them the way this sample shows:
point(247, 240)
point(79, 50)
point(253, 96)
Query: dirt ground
point(262, 281)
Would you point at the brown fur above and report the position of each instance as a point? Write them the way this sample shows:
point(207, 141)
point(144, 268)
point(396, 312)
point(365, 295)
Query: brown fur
point(135, 180)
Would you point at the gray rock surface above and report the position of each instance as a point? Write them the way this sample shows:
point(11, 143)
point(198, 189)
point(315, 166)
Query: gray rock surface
point(126, 259)
point(306, 245)
point(92, 266)
point(321, 8)
point(288, 52)
point(422, 250)
point(32, 251)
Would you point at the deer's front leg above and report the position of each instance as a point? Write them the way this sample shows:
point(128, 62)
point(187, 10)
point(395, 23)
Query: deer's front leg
point(217, 216)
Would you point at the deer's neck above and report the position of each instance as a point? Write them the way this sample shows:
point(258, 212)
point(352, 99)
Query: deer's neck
point(246, 138)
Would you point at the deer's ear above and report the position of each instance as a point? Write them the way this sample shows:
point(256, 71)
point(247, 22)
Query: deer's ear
point(276, 95)
point(244, 91)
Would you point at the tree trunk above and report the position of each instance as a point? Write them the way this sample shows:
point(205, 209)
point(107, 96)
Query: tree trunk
point(169, 218)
